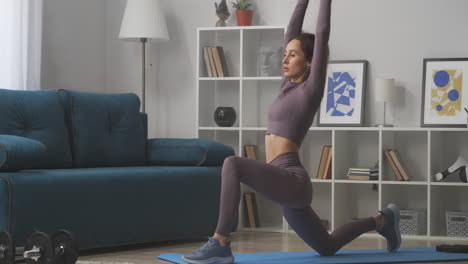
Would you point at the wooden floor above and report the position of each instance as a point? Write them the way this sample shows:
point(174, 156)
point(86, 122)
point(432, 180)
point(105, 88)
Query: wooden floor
point(243, 242)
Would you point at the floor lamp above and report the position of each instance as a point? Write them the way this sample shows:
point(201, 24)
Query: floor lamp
point(143, 21)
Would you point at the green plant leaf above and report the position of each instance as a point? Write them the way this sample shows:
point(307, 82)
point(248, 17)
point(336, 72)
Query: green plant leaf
point(241, 4)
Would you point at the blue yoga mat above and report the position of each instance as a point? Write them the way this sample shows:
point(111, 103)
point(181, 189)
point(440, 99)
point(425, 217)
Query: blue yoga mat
point(342, 256)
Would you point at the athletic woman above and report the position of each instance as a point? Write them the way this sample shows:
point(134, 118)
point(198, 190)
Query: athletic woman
point(283, 179)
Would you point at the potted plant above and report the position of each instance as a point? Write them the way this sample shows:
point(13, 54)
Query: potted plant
point(243, 14)
point(222, 12)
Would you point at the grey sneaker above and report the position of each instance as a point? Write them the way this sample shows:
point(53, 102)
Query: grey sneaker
point(391, 227)
point(210, 253)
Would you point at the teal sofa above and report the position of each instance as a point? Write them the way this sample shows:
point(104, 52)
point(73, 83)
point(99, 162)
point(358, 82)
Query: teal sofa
point(82, 162)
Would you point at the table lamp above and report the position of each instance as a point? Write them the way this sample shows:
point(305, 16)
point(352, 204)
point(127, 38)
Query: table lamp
point(385, 92)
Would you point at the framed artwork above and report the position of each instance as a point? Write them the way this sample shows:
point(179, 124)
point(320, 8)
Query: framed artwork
point(444, 92)
point(343, 99)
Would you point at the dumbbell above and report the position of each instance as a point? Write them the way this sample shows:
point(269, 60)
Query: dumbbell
point(452, 248)
point(65, 248)
point(40, 249)
point(7, 249)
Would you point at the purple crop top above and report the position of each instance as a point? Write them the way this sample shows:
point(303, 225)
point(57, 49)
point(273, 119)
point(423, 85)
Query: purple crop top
point(292, 113)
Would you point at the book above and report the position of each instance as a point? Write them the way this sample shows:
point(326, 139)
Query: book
point(327, 171)
point(251, 210)
point(217, 61)
point(364, 169)
point(366, 174)
point(323, 160)
point(363, 177)
point(223, 61)
point(212, 63)
point(363, 172)
point(207, 61)
point(250, 152)
point(393, 166)
point(399, 164)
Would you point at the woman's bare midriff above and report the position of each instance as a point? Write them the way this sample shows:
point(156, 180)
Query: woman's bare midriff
point(276, 145)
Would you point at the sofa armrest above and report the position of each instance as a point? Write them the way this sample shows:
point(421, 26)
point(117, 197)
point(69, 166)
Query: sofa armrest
point(20, 153)
point(187, 152)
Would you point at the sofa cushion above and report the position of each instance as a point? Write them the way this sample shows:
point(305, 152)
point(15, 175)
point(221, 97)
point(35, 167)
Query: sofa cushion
point(107, 130)
point(37, 115)
point(187, 152)
point(114, 206)
point(20, 153)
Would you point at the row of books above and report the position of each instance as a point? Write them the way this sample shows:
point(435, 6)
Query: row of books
point(367, 174)
point(361, 173)
point(396, 163)
point(325, 168)
point(215, 61)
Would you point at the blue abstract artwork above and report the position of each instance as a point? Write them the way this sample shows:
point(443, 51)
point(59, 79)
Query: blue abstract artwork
point(341, 94)
point(446, 92)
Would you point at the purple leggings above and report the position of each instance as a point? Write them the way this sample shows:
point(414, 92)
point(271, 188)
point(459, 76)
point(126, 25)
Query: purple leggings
point(284, 181)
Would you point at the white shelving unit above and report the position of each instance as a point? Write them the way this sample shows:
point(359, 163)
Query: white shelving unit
point(425, 151)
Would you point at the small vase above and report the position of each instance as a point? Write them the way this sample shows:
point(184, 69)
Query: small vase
point(244, 17)
point(222, 20)
point(225, 116)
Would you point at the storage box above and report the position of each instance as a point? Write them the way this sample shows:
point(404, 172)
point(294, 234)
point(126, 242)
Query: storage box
point(457, 223)
point(413, 222)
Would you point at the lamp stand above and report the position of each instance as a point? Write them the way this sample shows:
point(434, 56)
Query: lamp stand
point(143, 77)
point(384, 123)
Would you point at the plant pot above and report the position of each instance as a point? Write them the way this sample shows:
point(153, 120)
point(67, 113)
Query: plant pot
point(244, 17)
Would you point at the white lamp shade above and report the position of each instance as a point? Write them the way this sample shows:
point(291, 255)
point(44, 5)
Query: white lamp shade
point(143, 19)
point(385, 90)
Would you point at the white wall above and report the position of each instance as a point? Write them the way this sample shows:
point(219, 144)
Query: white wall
point(73, 45)
point(393, 35)
point(124, 67)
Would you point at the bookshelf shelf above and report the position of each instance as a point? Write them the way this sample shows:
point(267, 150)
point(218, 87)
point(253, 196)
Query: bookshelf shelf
point(404, 183)
point(239, 78)
point(424, 150)
point(320, 181)
point(449, 184)
point(320, 129)
point(219, 78)
point(220, 128)
point(254, 128)
point(356, 181)
point(262, 78)
point(237, 28)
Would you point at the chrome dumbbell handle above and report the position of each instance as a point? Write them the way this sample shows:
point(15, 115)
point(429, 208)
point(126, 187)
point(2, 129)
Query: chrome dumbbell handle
point(60, 250)
point(3, 249)
point(34, 254)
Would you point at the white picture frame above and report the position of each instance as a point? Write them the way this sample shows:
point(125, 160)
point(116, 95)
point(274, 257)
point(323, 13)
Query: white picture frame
point(343, 100)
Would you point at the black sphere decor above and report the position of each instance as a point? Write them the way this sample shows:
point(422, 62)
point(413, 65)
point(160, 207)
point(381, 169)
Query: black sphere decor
point(225, 116)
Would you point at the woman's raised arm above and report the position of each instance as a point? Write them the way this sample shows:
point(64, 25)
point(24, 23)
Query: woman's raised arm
point(318, 68)
point(297, 19)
